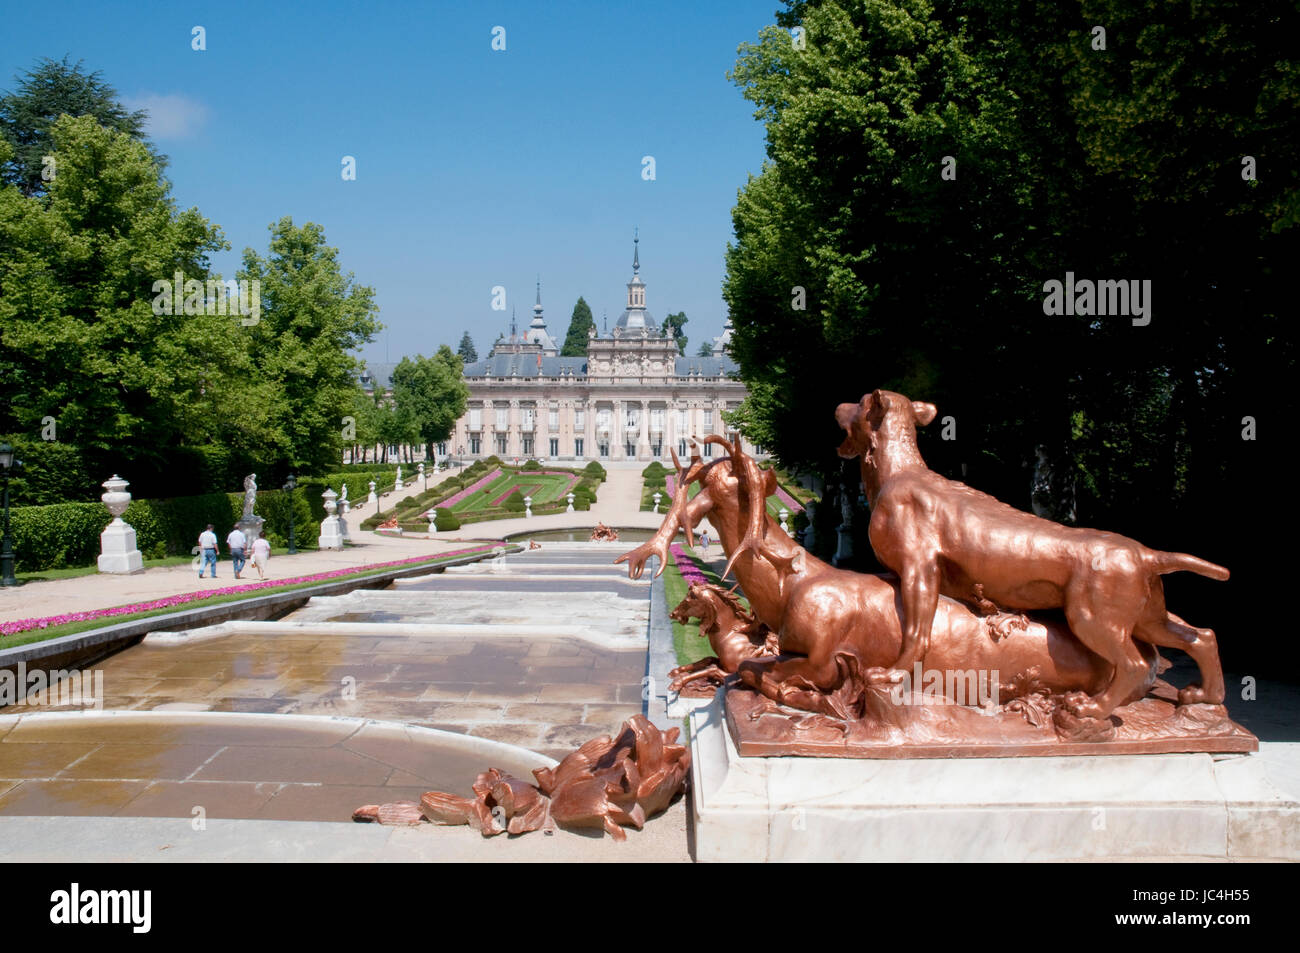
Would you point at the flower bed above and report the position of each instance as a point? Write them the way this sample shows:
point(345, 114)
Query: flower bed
point(24, 625)
point(686, 565)
point(469, 490)
point(788, 501)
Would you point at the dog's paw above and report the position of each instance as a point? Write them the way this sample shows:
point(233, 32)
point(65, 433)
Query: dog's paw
point(1194, 694)
point(1081, 705)
point(876, 675)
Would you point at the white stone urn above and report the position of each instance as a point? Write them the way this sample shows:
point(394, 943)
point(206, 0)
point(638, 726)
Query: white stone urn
point(117, 549)
point(373, 497)
point(528, 507)
point(784, 514)
point(399, 485)
point(570, 498)
point(657, 497)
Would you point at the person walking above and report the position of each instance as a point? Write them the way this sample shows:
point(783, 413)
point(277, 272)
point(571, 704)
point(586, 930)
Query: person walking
point(704, 541)
point(261, 555)
point(208, 550)
point(237, 542)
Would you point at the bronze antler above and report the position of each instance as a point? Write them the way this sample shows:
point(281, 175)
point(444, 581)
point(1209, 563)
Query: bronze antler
point(676, 516)
point(751, 483)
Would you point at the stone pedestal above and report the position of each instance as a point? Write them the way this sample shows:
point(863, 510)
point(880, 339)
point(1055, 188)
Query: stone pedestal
point(117, 552)
point(1168, 806)
point(331, 533)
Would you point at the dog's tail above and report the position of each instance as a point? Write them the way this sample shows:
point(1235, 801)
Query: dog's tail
point(1182, 562)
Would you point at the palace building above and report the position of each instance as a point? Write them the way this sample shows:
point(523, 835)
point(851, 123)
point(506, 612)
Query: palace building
point(632, 396)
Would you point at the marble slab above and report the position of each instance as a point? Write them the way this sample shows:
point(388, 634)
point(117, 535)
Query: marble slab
point(1071, 808)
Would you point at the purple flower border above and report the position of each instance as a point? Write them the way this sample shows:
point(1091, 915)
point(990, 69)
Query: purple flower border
point(26, 625)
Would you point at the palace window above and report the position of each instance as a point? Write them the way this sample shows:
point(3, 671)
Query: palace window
point(555, 420)
point(630, 447)
point(657, 420)
point(527, 414)
point(555, 446)
point(604, 449)
point(475, 446)
point(503, 418)
point(579, 420)
point(681, 448)
point(708, 419)
point(501, 445)
point(476, 419)
point(528, 446)
point(577, 447)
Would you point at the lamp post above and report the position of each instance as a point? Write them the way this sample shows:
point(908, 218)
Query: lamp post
point(7, 577)
point(290, 485)
point(460, 452)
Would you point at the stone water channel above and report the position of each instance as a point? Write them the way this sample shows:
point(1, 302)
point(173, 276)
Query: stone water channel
point(307, 717)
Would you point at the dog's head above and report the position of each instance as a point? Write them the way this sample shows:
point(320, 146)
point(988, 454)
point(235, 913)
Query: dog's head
point(878, 417)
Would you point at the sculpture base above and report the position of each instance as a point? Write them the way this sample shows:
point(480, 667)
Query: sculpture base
point(117, 552)
point(331, 535)
point(759, 727)
point(1167, 806)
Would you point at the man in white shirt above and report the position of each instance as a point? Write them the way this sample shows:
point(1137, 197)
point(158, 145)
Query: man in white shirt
point(261, 554)
point(208, 550)
point(237, 542)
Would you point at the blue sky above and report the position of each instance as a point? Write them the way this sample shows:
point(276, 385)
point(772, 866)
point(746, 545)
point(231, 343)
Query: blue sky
point(474, 167)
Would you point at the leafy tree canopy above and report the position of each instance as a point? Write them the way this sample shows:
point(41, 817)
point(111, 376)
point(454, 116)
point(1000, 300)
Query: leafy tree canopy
point(29, 112)
point(673, 329)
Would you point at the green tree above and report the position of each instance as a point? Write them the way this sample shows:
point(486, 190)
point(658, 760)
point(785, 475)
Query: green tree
point(431, 393)
point(466, 349)
point(673, 329)
point(312, 316)
point(582, 322)
point(133, 386)
point(706, 349)
point(28, 114)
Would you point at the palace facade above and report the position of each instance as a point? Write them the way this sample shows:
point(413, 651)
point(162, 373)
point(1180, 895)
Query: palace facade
point(632, 397)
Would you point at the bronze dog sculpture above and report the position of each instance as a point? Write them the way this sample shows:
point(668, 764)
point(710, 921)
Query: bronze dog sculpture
point(945, 539)
point(825, 614)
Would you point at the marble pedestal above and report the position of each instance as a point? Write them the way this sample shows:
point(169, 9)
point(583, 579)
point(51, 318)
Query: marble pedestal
point(1125, 807)
point(331, 534)
point(117, 551)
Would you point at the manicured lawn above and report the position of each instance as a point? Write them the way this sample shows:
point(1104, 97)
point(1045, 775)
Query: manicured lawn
point(542, 487)
point(687, 642)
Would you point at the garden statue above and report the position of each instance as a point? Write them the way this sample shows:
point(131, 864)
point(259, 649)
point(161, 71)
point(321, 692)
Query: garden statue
point(249, 522)
point(992, 680)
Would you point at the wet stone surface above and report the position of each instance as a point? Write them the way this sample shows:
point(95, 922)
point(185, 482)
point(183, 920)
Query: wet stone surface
point(546, 693)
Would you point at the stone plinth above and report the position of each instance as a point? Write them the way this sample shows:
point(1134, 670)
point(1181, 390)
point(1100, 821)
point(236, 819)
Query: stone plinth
point(117, 550)
point(1168, 806)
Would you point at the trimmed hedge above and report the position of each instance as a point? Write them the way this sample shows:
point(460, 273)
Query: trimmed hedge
point(445, 519)
point(64, 535)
